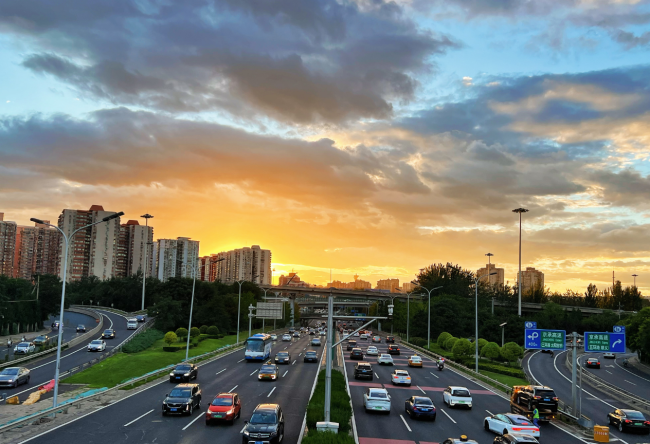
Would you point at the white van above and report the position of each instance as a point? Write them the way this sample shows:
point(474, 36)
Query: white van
point(132, 324)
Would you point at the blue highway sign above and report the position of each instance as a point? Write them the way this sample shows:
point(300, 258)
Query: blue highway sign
point(604, 342)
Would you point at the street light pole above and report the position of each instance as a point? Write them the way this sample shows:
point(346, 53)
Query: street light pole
point(476, 318)
point(66, 241)
point(519, 210)
point(146, 248)
point(634, 276)
point(489, 255)
point(429, 321)
point(239, 305)
point(189, 328)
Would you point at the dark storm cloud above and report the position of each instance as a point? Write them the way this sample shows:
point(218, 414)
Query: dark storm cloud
point(302, 62)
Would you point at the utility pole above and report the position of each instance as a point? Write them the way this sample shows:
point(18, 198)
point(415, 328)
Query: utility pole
point(146, 216)
point(574, 372)
point(519, 210)
point(634, 276)
point(328, 357)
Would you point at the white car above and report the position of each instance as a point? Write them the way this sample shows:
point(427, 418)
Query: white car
point(24, 348)
point(509, 423)
point(457, 396)
point(286, 337)
point(372, 351)
point(376, 399)
point(400, 377)
point(609, 355)
point(363, 336)
point(356, 334)
point(385, 359)
point(274, 337)
point(132, 324)
point(322, 333)
point(97, 345)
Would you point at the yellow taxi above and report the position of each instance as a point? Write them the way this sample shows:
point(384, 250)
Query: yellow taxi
point(415, 361)
point(268, 372)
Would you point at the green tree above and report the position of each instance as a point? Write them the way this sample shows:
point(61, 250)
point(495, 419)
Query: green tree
point(170, 337)
point(449, 343)
point(481, 343)
point(213, 330)
point(203, 329)
point(194, 332)
point(491, 350)
point(442, 338)
point(461, 349)
point(181, 332)
point(511, 351)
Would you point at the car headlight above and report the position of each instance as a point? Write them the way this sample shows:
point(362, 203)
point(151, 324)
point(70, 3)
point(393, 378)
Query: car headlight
point(165, 402)
point(246, 433)
point(171, 374)
point(186, 374)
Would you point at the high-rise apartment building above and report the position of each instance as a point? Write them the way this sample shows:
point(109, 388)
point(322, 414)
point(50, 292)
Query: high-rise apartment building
point(530, 278)
point(495, 279)
point(408, 287)
point(7, 246)
point(133, 240)
point(175, 258)
point(209, 267)
point(248, 263)
point(388, 284)
point(93, 251)
point(37, 251)
point(358, 284)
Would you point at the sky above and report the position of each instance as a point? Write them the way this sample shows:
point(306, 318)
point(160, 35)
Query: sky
point(365, 137)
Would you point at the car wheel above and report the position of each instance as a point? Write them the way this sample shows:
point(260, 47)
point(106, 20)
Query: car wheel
point(486, 425)
point(609, 420)
point(207, 423)
point(620, 427)
point(505, 432)
point(434, 417)
point(191, 409)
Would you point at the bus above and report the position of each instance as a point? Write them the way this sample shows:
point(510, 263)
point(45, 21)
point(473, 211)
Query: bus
point(258, 347)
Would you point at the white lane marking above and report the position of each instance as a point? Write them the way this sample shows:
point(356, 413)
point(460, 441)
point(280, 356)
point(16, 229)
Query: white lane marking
point(452, 419)
point(377, 375)
point(230, 391)
point(285, 347)
point(254, 371)
point(294, 361)
point(490, 413)
point(139, 417)
point(304, 349)
point(434, 375)
point(634, 374)
point(421, 390)
point(285, 373)
point(241, 360)
point(404, 421)
point(272, 390)
point(629, 382)
point(609, 372)
point(199, 416)
point(221, 371)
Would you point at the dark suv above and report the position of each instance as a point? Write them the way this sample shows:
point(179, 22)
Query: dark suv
point(363, 370)
point(183, 399)
point(393, 350)
point(539, 396)
point(266, 425)
point(356, 353)
point(184, 372)
point(351, 344)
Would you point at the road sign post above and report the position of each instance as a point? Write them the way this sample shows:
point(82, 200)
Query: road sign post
point(605, 342)
point(539, 339)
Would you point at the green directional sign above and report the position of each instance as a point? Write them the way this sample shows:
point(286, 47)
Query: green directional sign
point(552, 340)
point(604, 342)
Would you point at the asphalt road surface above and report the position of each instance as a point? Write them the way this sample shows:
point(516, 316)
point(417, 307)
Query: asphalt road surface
point(138, 418)
point(612, 371)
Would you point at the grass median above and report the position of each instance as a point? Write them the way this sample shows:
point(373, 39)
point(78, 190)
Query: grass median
point(510, 381)
point(123, 366)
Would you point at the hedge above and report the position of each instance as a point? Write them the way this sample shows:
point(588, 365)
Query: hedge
point(341, 411)
point(420, 342)
point(142, 341)
point(174, 348)
point(442, 338)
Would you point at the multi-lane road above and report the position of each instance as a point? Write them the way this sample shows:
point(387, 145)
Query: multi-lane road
point(138, 418)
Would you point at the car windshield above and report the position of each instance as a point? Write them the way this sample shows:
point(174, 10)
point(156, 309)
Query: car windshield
point(254, 346)
point(381, 395)
point(634, 414)
point(267, 369)
point(222, 401)
point(310, 354)
point(423, 401)
point(23, 344)
point(592, 360)
point(40, 338)
point(183, 368)
point(108, 332)
point(364, 367)
point(9, 371)
point(401, 373)
point(180, 393)
point(462, 393)
point(386, 357)
point(81, 326)
point(263, 418)
point(415, 358)
point(282, 355)
point(546, 393)
point(96, 342)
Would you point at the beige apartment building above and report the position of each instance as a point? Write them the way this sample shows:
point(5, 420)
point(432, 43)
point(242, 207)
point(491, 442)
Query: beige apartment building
point(530, 278)
point(251, 264)
point(133, 241)
point(36, 251)
point(496, 279)
point(175, 258)
point(7, 246)
point(358, 284)
point(388, 284)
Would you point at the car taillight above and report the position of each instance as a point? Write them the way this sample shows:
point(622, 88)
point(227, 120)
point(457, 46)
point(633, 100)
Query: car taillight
point(537, 397)
point(415, 409)
point(598, 362)
point(646, 422)
point(555, 398)
point(627, 421)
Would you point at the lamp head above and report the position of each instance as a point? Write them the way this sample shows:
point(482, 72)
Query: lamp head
point(503, 324)
point(493, 273)
point(520, 210)
point(38, 221)
point(113, 216)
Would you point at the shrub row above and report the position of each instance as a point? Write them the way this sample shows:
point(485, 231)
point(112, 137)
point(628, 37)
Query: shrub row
point(340, 412)
point(142, 341)
point(495, 368)
point(175, 348)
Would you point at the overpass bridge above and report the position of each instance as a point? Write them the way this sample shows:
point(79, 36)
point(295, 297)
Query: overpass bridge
point(532, 307)
point(340, 294)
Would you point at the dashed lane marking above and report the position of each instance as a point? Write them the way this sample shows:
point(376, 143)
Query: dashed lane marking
point(404, 421)
point(629, 382)
point(254, 371)
point(241, 360)
point(422, 390)
point(271, 392)
point(377, 375)
point(221, 371)
point(434, 375)
point(230, 391)
point(294, 361)
point(447, 415)
point(139, 417)
point(199, 416)
point(285, 373)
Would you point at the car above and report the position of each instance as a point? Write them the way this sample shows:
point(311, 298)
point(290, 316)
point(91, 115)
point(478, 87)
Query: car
point(592, 363)
point(364, 337)
point(372, 351)
point(291, 329)
point(286, 337)
point(390, 339)
point(14, 376)
point(224, 407)
point(274, 337)
point(376, 339)
point(541, 396)
point(393, 350)
point(351, 344)
point(266, 425)
point(141, 318)
point(132, 324)
point(56, 324)
point(109, 333)
point(457, 396)
point(515, 438)
point(376, 400)
point(363, 370)
point(43, 340)
point(415, 361)
point(505, 423)
point(315, 342)
point(81, 328)
point(356, 353)
point(268, 372)
point(609, 355)
point(312, 333)
point(22, 348)
point(323, 333)
point(420, 407)
point(400, 377)
point(356, 334)
point(97, 345)
point(183, 399)
point(283, 357)
point(296, 334)
point(310, 356)
point(385, 359)
point(627, 420)
point(462, 440)
point(184, 372)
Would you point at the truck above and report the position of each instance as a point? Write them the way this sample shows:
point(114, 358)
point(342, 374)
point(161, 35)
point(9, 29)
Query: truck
point(545, 415)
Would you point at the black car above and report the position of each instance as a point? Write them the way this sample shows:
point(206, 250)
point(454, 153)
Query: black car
point(363, 370)
point(351, 344)
point(356, 353)
point(310, 356)
point(518, 438)
point(14, 376)
point(283, 357)
point(81, 328)
point(140, 318)
point(629, 420)
point(390, 339)
point(312, 332)
point(108, 334)
point(184, 372)
point(266, 425)
point(592, 363)
point(393, 350)
point(420, 407)
point(183, 399)
point(539, 396)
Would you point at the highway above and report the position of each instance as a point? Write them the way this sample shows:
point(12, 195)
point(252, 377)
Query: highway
point(138, 418)
point(552, 371)
point(42, 370)
point(613, 372)
point(398, 428)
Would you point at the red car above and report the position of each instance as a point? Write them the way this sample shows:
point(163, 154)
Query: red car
point(224, 407)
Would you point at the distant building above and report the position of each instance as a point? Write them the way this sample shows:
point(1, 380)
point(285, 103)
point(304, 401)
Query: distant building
point(530, 278)
point(408, 287)
point(36, 251)
point(249, 263)
point(293, 280)
point(133, 240)
point(358, 284)
point(93, 251)
point(388, 284)
point(496, 279)
point(8, 231)
point(175, 258)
